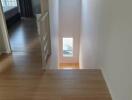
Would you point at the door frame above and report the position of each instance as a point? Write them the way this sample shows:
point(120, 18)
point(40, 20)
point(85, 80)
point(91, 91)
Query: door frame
point(4, 31)
point(4, 26)
point(76, 45)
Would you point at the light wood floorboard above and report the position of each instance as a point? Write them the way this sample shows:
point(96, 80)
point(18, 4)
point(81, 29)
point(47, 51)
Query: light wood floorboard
point(54, 85)
point(22, 77)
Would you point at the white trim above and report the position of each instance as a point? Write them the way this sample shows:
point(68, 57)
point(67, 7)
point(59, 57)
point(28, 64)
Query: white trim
point(107, 82)
point(4, 31)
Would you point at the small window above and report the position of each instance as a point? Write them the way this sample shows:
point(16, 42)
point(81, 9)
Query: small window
point(67, 47)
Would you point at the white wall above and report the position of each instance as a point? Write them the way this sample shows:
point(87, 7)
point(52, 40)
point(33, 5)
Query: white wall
point(69, 26)
point(131, 72)
point(64, 21)
point(69, 13)
point(88, 44)
point(70, 23)
point(54, 29)
point(115, 54)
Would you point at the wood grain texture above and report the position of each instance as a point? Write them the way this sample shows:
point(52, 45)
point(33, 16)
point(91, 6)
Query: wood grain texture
point(69, 66)
point(24, 37)
point(26, 48)
point(54, 85)
point(22, 78)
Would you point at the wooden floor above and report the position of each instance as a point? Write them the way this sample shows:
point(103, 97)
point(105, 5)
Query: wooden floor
point(24, 37)
point(22, 77)
point(26, 49)
point(69, 66)
point(54, 85)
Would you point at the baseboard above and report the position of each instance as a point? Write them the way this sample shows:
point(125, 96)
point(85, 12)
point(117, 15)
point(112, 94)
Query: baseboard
point(107, 82)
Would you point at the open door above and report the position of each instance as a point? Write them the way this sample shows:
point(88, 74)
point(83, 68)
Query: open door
point(44, 33)
point(4, 32)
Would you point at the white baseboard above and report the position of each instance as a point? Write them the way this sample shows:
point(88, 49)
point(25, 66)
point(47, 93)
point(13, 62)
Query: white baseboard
point(107, 82)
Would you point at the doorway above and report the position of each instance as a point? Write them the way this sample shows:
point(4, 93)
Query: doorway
point(20, 18)
point(69, 53)
point(69, 33)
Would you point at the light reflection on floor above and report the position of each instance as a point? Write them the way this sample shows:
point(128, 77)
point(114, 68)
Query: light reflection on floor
point(69, 66)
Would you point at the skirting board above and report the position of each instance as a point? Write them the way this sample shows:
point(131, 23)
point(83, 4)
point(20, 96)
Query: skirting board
point(107, 82)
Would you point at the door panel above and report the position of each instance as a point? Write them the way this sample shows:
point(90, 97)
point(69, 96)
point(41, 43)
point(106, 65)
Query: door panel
point(3, 29)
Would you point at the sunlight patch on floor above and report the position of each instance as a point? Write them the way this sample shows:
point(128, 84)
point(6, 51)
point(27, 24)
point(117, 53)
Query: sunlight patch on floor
point(68, 66)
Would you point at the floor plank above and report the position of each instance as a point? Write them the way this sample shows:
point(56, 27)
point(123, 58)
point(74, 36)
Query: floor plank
point(22, 77)
point(54, 85)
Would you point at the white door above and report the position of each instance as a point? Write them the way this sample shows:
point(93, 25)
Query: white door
point(3, 30)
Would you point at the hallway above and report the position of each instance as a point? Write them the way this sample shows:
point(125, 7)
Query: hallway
point(93, 35)
point(23, 36)
point(22, 77)
point(26, 49)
